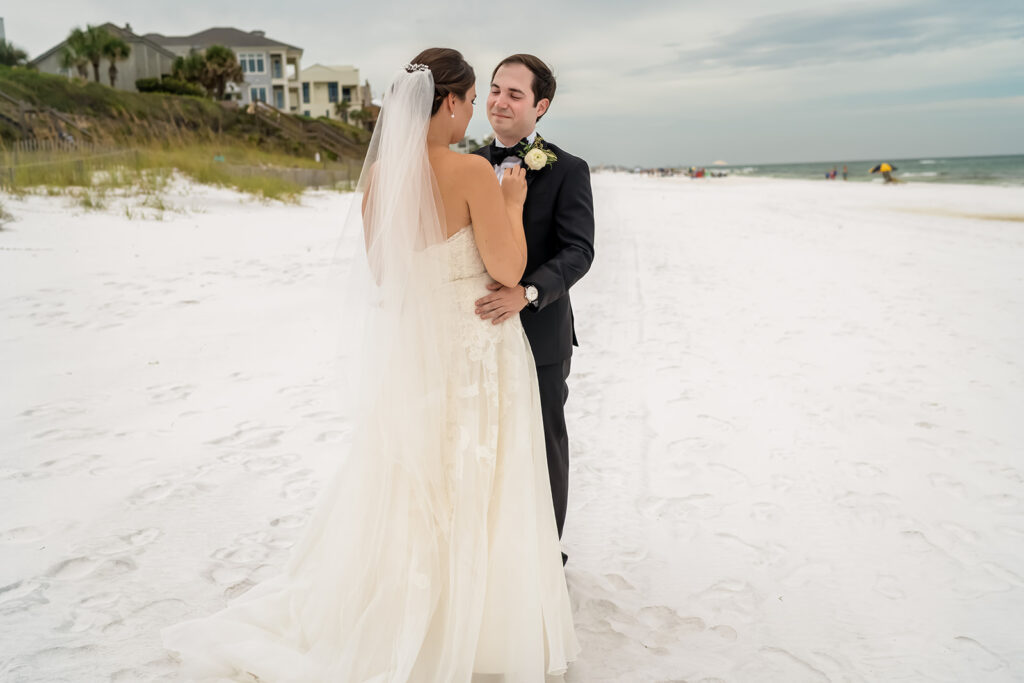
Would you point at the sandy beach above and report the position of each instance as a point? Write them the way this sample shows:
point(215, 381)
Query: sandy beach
point(797, 452)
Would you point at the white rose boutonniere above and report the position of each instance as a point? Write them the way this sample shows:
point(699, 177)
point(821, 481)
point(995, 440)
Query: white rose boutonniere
point(535, 159)
point(536, 156)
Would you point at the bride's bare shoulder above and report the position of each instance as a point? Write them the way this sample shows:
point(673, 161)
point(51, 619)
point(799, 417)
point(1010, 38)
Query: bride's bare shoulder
point(475, 167)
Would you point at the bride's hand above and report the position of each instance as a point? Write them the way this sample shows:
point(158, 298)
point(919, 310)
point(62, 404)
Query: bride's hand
point(513, 186)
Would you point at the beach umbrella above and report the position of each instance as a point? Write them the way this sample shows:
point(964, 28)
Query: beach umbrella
point(882, 168)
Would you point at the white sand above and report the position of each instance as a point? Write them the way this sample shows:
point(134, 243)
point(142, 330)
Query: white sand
point(798, 452)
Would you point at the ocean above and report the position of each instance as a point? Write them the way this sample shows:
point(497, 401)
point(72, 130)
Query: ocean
point(997, 170)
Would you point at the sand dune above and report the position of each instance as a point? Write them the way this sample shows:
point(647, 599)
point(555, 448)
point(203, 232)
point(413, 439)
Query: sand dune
point(797, 451)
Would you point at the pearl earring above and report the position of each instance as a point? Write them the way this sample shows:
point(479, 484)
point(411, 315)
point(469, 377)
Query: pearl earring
point(453, 115)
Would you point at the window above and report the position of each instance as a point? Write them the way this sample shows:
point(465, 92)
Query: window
point(258, 94)
point(305, 113)
point(251, 62)
point(279, 99)
point(277, 67)
point(346, 94)
point(332, 92)
point(305, 93)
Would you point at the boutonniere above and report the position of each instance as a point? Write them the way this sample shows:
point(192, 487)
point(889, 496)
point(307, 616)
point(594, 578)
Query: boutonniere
point(536, 156)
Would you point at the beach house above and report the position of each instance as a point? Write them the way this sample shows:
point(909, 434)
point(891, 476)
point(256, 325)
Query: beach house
point(147, 59)
point(271, 67)
point(325, 87)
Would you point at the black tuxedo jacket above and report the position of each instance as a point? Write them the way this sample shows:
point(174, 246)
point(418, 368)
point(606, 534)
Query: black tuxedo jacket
point(558, 218)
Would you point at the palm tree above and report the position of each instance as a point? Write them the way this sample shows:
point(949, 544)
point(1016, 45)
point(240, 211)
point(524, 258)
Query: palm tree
point(359, 115)
point(69, 59)
point(222, 67)
point(12, 56)
point(191, 69)
point(341, 109)
point(115, 50)
point(89, 44)
point(72, 55)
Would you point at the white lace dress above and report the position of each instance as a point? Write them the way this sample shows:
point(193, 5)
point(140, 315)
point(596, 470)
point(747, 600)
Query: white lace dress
point(378, 591)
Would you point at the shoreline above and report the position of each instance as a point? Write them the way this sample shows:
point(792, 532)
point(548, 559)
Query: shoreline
point(839, 181)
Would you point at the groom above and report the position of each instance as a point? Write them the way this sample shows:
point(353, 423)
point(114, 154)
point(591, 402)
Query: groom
point(558, 218)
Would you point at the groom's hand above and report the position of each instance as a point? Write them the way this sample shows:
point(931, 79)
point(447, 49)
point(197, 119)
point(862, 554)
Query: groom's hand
point(502, 303)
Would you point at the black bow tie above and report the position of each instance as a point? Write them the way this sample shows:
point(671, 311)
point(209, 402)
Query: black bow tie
point(499, 153)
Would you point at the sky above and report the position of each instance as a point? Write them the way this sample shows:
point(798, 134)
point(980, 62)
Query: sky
point(667, 83)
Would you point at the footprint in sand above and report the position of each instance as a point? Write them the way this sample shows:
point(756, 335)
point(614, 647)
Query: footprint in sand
point(22, 595)
point(22, 534)
point(69, 434)
point(728, 597)
point(247, 436)
point(165, 393)
point(958, 533)
point(1003, 471)
point(763, 511)
point(269, 463)
point(778, 664)
point(725, 632)
point(55, 409)
point(78, 568)
point(808, 573)
point(978, 655)
point(1003, 502)
point(150, 493)
point(889, 586)
point(331, 436)
point(948, 483)
point(300, 486)
point(289, 521)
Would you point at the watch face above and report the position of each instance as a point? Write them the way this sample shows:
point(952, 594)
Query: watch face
point(531, 294)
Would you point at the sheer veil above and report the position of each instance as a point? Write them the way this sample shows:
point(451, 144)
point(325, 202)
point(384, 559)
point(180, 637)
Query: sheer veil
point(394, 364)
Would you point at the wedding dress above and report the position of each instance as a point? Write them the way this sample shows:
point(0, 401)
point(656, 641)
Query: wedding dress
point(432, 556)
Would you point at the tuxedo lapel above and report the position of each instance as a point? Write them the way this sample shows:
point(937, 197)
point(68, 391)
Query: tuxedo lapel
point(530, 174)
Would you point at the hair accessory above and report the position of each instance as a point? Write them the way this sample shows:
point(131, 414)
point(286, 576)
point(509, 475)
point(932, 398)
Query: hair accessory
point(416, 67)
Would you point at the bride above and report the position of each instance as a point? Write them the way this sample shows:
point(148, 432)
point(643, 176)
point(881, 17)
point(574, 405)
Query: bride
point(432, 556)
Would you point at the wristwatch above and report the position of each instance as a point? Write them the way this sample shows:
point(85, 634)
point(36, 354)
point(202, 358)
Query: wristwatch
point(531, 295)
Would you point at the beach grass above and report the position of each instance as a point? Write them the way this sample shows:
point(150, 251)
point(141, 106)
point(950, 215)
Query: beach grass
point(147, 170)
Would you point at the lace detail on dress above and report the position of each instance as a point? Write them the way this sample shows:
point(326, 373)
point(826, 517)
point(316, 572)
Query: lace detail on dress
point(464, 260)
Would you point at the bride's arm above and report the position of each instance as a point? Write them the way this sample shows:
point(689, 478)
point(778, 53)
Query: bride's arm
point(496, 212)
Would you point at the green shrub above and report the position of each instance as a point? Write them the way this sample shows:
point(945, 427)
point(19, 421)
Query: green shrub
point(169, 85)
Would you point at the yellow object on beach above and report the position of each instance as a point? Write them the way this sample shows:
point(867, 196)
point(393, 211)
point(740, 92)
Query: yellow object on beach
point(885, 167)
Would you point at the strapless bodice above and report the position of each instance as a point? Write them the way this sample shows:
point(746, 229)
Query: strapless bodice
point(464, 261)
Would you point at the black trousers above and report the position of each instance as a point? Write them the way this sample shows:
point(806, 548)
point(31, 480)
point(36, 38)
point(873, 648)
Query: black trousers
point(553, 393)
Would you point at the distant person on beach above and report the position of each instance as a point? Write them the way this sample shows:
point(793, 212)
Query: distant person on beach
point(886, 170)
point(844, 171)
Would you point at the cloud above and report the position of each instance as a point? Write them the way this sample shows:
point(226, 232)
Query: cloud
point(851, 32)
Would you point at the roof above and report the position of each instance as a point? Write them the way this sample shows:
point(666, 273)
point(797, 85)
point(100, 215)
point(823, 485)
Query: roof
point(323, 72)
point(124, 34)
point(225, 35)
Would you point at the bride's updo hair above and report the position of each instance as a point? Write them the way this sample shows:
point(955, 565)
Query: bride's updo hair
point(452, 74)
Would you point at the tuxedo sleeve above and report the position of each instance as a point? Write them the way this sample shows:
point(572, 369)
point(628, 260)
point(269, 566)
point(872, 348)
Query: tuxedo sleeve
point(573, 224)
